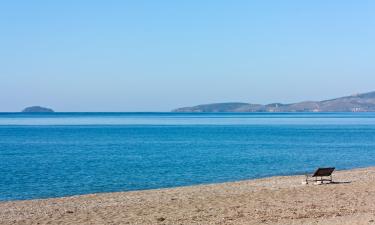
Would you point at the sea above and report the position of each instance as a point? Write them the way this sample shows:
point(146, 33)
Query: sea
point(64, 154)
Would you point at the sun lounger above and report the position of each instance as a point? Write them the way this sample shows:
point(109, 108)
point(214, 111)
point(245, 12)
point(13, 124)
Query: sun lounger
point(321, 173)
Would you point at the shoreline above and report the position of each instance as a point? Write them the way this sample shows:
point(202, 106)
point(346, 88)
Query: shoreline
point(271, 200)
point(178, 187)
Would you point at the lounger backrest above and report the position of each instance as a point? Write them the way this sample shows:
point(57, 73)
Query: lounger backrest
point(322, 172)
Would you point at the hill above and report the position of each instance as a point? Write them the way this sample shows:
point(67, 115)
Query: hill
point(353, 103)
point(37, 109)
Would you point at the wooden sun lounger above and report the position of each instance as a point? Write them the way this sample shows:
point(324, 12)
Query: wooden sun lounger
point(321, 173)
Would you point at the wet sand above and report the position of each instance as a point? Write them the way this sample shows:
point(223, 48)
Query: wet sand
point(275, 200)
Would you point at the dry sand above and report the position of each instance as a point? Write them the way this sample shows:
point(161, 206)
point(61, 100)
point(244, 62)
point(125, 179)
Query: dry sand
point(276, 200)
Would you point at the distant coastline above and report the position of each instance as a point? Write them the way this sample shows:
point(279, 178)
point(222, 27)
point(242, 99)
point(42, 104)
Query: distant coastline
point(353, 103)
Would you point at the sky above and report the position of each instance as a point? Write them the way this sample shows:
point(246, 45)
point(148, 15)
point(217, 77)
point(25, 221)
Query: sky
point(136, 55)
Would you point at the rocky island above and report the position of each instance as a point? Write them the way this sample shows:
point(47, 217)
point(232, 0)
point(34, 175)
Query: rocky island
point(37, 109)
point(353, 103)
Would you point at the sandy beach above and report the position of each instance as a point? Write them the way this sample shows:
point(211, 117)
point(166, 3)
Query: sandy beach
point(275, 200)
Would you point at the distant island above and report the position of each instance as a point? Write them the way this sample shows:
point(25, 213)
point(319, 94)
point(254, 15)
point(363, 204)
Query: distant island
point(37, 109)
point(354, 103)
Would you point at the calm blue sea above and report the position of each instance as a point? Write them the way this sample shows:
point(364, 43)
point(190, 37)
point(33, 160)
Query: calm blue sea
point(63, 154)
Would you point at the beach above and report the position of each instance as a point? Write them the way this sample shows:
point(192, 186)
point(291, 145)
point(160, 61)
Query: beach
point(275, 200)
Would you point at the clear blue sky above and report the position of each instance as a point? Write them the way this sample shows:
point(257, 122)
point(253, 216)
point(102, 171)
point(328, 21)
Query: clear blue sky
point(159, 55)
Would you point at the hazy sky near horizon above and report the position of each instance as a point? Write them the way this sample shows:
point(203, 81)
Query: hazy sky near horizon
point(158, 55)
